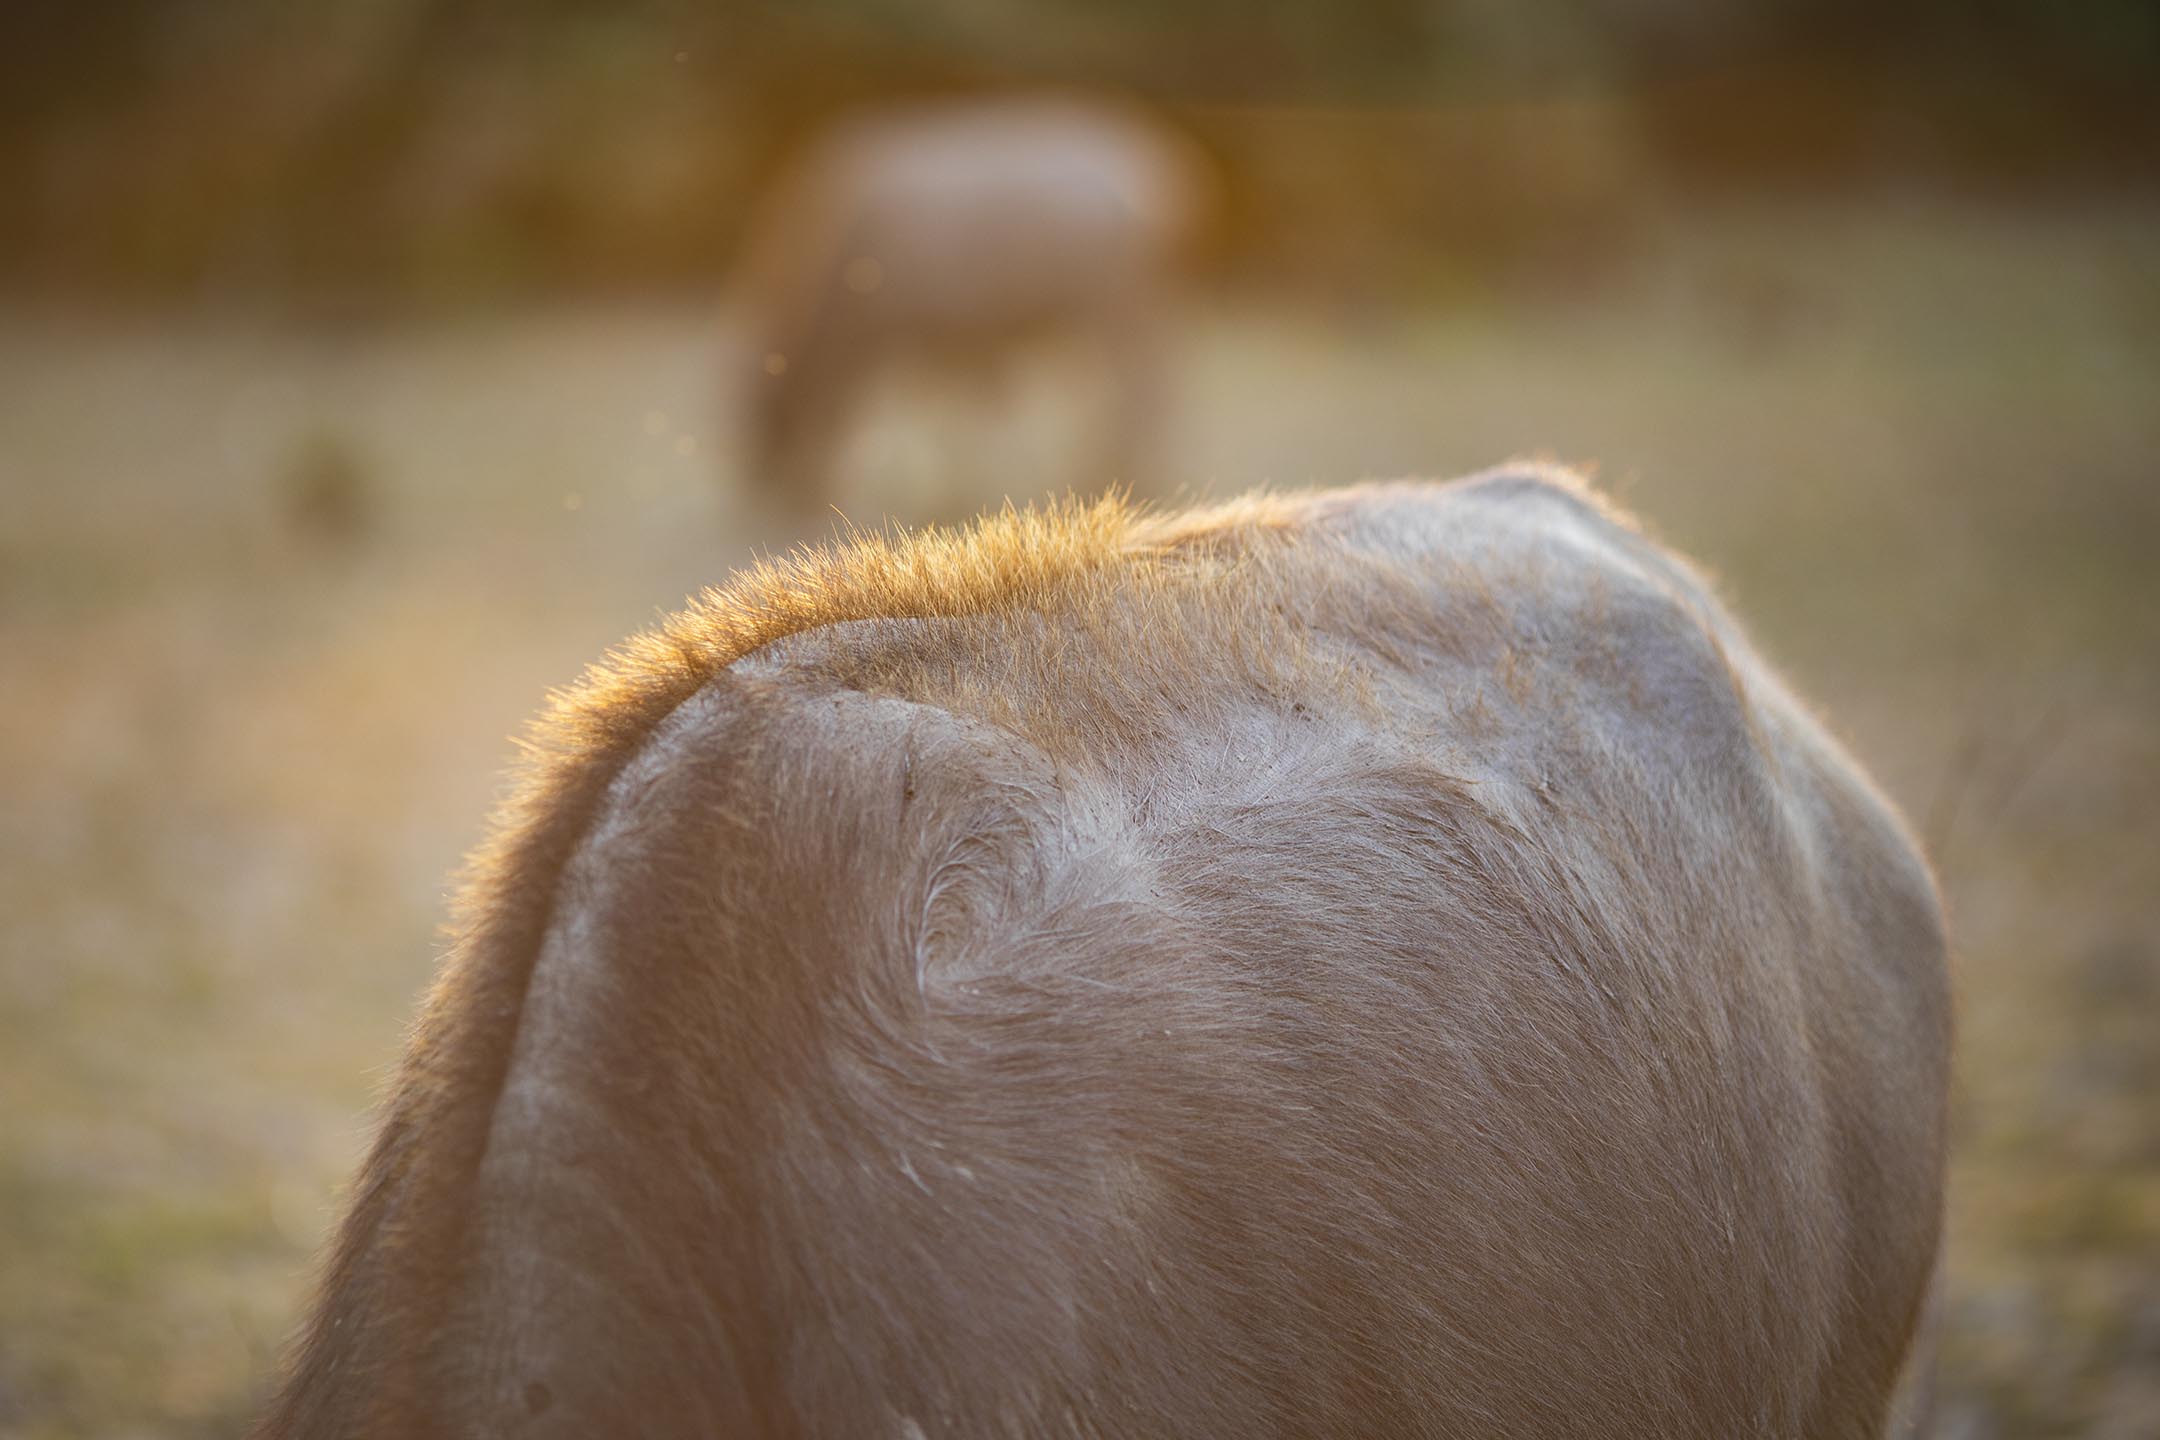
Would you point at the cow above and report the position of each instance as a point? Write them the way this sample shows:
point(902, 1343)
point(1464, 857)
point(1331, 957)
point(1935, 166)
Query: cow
point(952, 236)
point(1390, 961)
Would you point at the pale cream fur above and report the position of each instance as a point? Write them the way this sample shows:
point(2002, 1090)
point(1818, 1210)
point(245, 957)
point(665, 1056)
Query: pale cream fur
point(951, 236)
point(1380, 962)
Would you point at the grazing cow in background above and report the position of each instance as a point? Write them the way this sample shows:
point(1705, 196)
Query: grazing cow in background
point(1383, 962)
point(952, 236)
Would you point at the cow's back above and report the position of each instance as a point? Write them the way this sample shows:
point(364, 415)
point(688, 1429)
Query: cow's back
point(1388, 962)
point(966, 223)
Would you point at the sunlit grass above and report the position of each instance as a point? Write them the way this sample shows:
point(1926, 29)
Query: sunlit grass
point(240, 750)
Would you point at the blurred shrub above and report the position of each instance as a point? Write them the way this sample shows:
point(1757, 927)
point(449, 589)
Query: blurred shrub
point(460, 148)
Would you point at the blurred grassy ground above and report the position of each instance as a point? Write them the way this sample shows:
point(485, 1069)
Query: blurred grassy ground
point(246, 730)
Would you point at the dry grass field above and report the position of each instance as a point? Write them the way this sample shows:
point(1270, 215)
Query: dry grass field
point(271, 603)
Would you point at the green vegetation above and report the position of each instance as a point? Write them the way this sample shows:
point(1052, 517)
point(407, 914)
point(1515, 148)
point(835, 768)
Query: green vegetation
point(419, 153)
